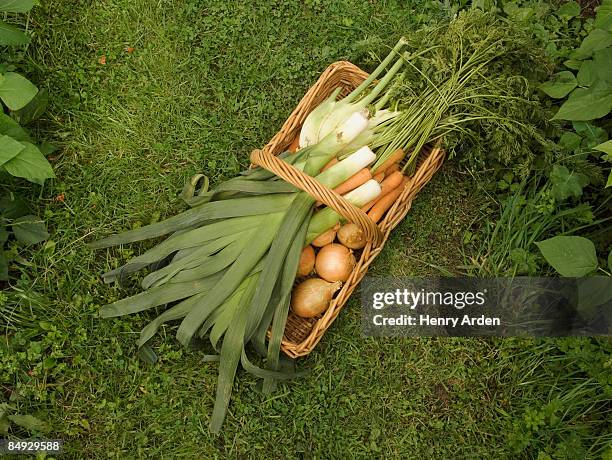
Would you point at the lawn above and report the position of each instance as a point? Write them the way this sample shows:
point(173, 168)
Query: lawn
point(145, 94)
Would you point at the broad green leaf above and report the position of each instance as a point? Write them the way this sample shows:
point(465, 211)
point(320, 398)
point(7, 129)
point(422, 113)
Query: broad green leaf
point(586, 104)
point(593, 291)
point(560, 85)
point(4, 276)
point(16, 91)
point(29, 229)
point(566, 183)
point(517, 13)
point(602, 61)
point(9, 148)
point(13, 206)
point(11, 128)
point(598, 39)
point(603, 18)
point(31, 165)
point(610, 261)
point(586, 75)
point(47, 148)
point(573, 64)
point(12, 36)
point(570, 141)
point(34, 109)
point(606, 147)
point(609, 182)
point(572, 256)
point(16, 6)
point(592, 135)
point(568, 10)
point(4, 234)
point(29, 422)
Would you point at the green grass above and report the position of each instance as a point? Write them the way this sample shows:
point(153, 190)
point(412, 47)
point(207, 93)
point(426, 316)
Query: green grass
point(205, 84)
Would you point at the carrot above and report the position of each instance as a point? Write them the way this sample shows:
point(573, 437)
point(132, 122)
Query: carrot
point(383, 204)
point(360, 178)
point(388, 185)
point(379, 177)
point(395, 157)
point(357, 179)
point(293, 147)
point(332, 162)
point(391, 169)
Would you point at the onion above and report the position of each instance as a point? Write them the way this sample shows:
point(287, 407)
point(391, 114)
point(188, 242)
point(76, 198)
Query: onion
point(351, 235)
point(334, 262)
point(313, 296)
point(325, 238)
point(307, 261)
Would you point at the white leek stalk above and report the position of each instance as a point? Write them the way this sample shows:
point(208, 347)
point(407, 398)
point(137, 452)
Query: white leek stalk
point(330, 114)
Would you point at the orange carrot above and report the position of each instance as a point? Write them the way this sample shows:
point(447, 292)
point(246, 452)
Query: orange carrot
point(293, 147)
point(382, 205)
point(332, 162)
point(354, 181)
point(357, 179)
point(391, 169)
point(388, 185)
point(379, 177)
point(395, 157)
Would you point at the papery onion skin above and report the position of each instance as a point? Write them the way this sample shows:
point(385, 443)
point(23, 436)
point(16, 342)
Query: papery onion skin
point(307, 261)
point(351, 235)
point(325, 238)
point(312, 297)
point(334, 262)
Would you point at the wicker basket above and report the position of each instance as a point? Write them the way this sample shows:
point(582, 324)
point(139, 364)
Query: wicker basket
point(302, 334)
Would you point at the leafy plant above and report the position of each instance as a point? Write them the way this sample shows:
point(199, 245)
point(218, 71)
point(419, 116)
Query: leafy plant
point(587, 83)
point(20, 156)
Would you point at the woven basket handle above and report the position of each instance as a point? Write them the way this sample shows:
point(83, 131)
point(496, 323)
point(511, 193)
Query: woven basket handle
point(319, 191)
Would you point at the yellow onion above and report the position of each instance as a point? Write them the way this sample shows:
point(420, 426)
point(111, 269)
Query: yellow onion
point(307, 261)
point(325, 238)
point(351, 235)
point(312, 296)
point(334, 262)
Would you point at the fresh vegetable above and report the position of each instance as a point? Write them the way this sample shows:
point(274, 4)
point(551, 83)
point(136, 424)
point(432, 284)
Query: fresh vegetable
point(391, 169)
point(327, 218)
point(395, 157)
point(334, 262)
point(379, 177)
point(351, 235)
point(313, 296)
point(293, 147)
point(354, 181)
point(389, 184)
point(307, 261)
point(330, 163)
point(383, 205)
point(325, 238)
